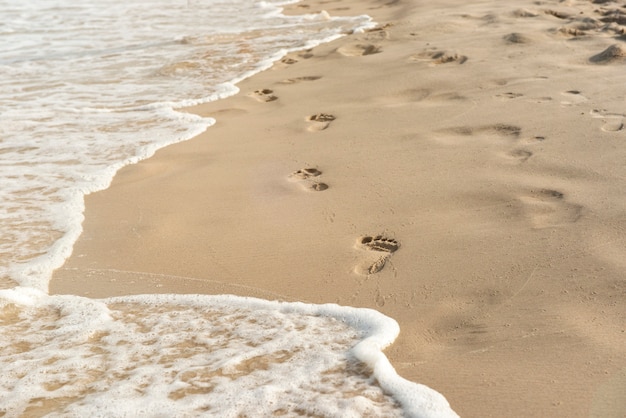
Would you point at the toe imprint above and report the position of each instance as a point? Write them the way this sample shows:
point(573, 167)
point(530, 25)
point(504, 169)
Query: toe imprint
point(264, 95)
point(305, 173)
point(379, 250)
point(380, 243)
point(318, 187)
point(321, 117)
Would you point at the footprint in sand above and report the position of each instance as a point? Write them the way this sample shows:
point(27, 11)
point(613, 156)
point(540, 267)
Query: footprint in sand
point(319, 121)
point(519, 80)
point(499, 130)
point(548, 208)
point(532, 140)
point(378, 251)
point(573, 97)
point(520, 155)
point(358, 49)
point(509, 95)
point(379, 33)
point(305, 176)
point(299, 79)
point(497, 134)
point(613, 122)
point(264, 95)
point(292, 59)
point(305, 173)
point(437, 57)
point(288, 61)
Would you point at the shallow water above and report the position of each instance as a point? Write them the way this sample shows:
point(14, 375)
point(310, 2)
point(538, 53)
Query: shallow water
point(86, 89)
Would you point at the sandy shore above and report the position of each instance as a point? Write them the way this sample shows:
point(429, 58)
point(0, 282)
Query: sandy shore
point(460, 169)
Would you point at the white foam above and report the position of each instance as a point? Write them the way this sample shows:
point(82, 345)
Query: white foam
point(184, 355)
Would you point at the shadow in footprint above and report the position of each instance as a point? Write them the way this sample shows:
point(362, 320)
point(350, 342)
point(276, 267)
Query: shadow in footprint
point(461, 134)
point(436, 57)
point(533, 140)
point(509, 95)
point(358, 50)
point(548, 208)
point(305, 173)
point(613, 122)
point(378, 250)
point(292, 59)
point(305, 176)
point(320, 121)
point(520, 155)
point(573, 97)
point(299, 79)
point(264, 95)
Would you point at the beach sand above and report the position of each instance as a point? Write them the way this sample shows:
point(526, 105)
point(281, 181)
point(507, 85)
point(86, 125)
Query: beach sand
point(460, 168)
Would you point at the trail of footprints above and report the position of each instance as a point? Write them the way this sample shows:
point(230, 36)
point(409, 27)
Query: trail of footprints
point(376, 250)
point(544, 207)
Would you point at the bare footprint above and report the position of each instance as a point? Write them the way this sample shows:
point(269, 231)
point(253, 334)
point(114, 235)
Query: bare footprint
point(548, 208)
point(379, 33)
point(496, 131)
point(509, 95)
point(520, 155)
point(613, 122)
point(379, 249)
point(319, 121)
point(437, 57)
point(293, 58)
point(358, 49)
point(305, 176)
point(317, 186)
point(532, 140)
point(573, 97)
point(613, 126)
point(305, 173)
point(288, 61)
point(299, 79)
point(264, 95)
point(519, 80)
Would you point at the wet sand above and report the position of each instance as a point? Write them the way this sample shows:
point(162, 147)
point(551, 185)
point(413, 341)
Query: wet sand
point(460, 168)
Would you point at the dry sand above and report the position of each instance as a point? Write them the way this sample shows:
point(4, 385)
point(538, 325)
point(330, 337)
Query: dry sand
point(482, 141)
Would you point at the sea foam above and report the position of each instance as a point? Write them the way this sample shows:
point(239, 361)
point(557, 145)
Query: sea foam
point(190, 355)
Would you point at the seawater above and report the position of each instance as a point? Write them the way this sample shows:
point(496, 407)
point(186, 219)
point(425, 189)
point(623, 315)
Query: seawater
point(87, 88)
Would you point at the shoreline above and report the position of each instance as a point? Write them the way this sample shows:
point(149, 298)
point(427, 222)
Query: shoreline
point(500, 252)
